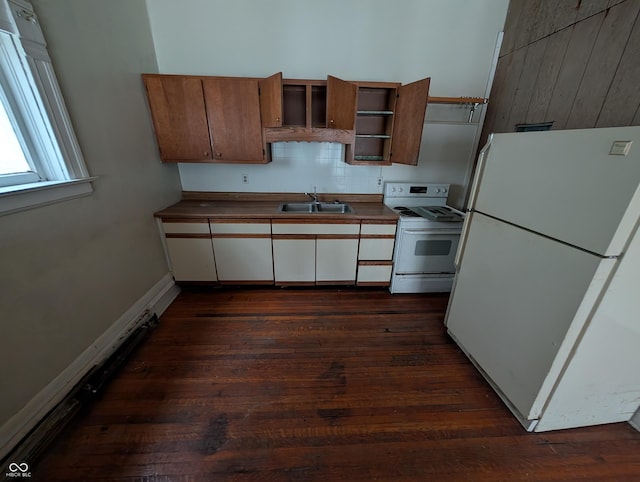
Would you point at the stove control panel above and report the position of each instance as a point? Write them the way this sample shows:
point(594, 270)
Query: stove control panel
point(417, 190)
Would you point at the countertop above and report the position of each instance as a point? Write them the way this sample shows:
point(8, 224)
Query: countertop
point(242, 206)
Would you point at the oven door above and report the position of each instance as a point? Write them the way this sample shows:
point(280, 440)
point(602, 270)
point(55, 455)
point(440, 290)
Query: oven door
point(424, 250)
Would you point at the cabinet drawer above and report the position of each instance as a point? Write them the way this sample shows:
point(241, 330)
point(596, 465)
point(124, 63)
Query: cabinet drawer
point(240, 228)
point(376, 248)
point(186, 228)
point(378, 229)
point(303, 228)
point(374, 274)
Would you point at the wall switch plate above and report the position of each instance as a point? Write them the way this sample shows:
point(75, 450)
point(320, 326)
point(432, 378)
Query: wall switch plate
point(620, 148)
point(245, 179)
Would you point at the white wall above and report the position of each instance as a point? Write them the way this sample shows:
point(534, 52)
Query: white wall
point(70, 270)
point(452, 41)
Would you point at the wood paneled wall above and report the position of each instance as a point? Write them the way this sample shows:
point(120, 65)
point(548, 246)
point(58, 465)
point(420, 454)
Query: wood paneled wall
point(575, 63)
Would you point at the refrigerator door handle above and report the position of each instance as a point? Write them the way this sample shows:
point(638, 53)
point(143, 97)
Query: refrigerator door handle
point(472, 200)
point(479, 172)
point(463, 240)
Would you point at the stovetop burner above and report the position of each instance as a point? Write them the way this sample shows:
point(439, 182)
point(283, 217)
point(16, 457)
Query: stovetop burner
point(438, 213)
point(405, 211)
point(433, 213)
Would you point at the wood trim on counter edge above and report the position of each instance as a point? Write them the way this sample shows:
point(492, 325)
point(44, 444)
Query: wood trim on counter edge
point(245, 282)
point(216, 220)
point(367, 262)
point(241, 235)
point(313, 218)
point(390, 222)
point(188, 235)
point(198, 220)
point(377, 236)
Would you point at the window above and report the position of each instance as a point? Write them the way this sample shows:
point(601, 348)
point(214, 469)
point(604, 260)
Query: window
point(14, 168)
point(40, 160)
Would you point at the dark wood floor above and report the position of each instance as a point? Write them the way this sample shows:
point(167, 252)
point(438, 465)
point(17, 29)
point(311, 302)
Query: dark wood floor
point(326, 385)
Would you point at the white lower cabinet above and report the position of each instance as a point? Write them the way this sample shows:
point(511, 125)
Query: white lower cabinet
point(287, 253)
point(190, 251)
point(322, 253)
point(294, 260)
point(243, 251)
point(336, 260)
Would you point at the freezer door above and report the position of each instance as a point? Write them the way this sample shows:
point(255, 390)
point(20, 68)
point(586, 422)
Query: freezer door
point(515, 296)
point(564, 184)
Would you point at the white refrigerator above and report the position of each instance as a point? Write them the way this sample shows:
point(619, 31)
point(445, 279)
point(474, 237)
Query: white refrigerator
point(546, 298)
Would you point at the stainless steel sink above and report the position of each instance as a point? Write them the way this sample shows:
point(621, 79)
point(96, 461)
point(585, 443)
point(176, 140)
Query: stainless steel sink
point(340, 208)
point(328, 208)
point(297, 208)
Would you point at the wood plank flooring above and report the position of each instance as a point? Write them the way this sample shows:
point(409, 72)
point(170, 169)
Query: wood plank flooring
point(316, 385)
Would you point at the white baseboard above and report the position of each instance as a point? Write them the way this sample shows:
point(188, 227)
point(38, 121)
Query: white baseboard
point(156, 300)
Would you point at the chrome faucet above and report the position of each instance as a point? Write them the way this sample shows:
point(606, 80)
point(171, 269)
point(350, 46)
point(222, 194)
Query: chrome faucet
point(313, 196)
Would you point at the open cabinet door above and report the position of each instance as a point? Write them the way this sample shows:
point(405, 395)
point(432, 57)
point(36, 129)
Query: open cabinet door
point(408, 123)
point(341, 104)
point(179, 117)
point(271, 100)
point(233, 112)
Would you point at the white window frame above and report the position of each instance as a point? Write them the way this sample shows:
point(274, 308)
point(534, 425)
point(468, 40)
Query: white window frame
point(30, 93)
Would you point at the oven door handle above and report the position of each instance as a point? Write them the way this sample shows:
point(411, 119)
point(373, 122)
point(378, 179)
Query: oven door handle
point(436, 232)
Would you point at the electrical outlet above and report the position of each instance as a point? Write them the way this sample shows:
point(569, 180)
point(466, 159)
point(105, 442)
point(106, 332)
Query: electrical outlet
point(379, 181)
point(245, 179)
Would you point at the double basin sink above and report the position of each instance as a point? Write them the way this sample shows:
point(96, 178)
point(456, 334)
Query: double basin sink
point(313, 207)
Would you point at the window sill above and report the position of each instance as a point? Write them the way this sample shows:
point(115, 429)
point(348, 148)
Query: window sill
point(28, 196)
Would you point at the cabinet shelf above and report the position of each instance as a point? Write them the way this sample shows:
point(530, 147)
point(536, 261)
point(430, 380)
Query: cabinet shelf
point(374, 136)
point(368, 158)
point(375, 112)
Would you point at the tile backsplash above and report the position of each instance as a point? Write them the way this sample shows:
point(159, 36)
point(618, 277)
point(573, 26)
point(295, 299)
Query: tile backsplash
point(446, 155)
point(295, 167)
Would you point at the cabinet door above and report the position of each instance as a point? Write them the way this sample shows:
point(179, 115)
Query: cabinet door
point(243, 250)
point(408, 123)
point(341, 104)
point(336, 260)
point(271, 100)
point(294, 260)
point(244, 259)
point(191, 259)
point(233, 112)
point(179, 117)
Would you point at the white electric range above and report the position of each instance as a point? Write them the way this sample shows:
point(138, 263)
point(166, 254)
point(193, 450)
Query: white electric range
point(427, 239)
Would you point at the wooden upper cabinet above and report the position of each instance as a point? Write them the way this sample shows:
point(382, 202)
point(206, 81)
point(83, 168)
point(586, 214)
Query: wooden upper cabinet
point(179, 117)
point(341, 104)
point(234, 119)
point(213, 119)
point(410, 109)
point(233, 112)
point(271, 100)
